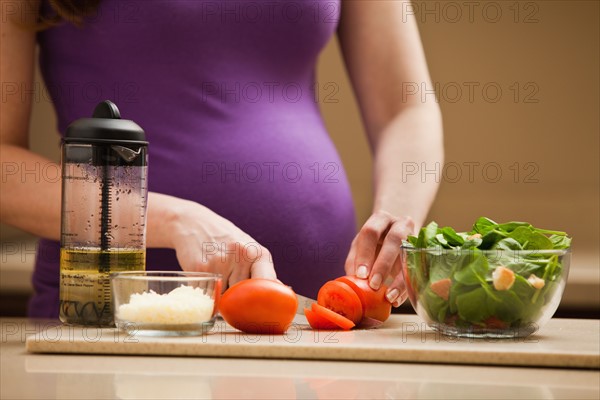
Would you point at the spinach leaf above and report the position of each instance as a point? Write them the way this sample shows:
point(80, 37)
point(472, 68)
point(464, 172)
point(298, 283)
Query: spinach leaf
point(530, 239)
point(440, 267)
point(433, 304)
point(439, 241)
point(521, 235)
point(442, 312)
point(511, 226)
point(507, 244)
point(560, 241)
point(412, 240)
point(539, 241)
point(523, 268)
point(426, 234)
point(491, 238)
point(471, 243)
point(472, 305)
point(506, 306)
point(553, 269)
point(534, 303)
point(550, 232)
point(474, 269)
point(523, 289)
point(484, 225)
point(452, 238)
point(457, 289)
point(430, 232)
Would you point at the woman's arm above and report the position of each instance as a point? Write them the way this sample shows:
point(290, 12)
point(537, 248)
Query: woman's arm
point(384, 57)
point(28, 201)
point(202, 239)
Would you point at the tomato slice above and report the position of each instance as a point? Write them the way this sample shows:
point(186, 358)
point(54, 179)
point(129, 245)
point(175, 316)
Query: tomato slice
point(318, 322)
point(332, 316)
point(374, 303)
point(495, 323)
point(341, 299)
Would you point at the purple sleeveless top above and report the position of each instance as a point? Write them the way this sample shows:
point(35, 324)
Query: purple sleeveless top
point(225, 92)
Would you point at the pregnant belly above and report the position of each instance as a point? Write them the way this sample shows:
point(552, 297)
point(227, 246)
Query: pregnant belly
point(287, 189)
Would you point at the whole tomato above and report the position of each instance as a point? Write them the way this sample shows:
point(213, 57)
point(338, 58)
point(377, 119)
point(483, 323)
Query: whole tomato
point(259, 306)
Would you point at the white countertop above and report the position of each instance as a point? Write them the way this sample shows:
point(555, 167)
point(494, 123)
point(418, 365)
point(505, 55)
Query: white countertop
point(36, 376)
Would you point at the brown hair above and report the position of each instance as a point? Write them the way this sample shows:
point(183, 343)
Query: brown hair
point(73, 11)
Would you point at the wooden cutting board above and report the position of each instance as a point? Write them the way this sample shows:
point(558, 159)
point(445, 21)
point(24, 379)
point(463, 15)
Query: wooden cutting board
point(566, 343)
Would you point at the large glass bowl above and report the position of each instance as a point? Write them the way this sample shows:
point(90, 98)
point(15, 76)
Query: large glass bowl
point(485, 293)
point(157, 303)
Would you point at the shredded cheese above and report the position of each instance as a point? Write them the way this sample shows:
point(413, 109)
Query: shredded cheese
point(183, 305)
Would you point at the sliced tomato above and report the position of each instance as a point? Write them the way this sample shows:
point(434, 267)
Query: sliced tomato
point(319, 323)
point(259, 306)
point(495, 323)
point(342, 299)
point(374, 302)
point(332, 316)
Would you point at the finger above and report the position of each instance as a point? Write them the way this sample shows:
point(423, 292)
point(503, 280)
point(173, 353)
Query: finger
point(349, 266)
point(396, 292)
point(409, 225)
point(262, 266)
point(389, 253)
point(390, 250)
point(238, 263)
point(366, 242)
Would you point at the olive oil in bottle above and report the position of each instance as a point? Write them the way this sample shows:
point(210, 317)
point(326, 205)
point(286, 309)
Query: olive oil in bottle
point(85, 292)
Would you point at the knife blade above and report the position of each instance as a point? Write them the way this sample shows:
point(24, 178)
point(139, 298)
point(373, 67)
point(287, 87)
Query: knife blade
point(303, 302)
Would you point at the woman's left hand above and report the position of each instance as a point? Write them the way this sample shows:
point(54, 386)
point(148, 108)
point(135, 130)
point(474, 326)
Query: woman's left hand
point(403, 130)
point(375, 253)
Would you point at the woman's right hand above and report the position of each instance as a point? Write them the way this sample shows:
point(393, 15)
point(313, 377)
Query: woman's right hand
point(205, 241)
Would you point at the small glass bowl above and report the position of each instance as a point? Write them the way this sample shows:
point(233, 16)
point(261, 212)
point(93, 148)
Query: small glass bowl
point(458, 293)
point(165, 303)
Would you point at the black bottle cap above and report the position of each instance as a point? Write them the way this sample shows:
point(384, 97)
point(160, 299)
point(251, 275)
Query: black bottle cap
point(105, 126)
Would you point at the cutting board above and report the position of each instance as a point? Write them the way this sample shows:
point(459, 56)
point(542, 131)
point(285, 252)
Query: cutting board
point(561, 343)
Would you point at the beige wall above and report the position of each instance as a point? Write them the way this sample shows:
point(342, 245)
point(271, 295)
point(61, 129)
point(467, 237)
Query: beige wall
point(548, 130)
point(551, 50)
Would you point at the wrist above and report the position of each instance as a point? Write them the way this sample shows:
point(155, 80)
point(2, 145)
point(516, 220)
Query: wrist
point(165, 217)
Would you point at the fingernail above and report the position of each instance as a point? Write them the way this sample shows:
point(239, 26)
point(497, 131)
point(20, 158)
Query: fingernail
point(392, 295)
point(375, 281)
point(362, 272)
point(400, 300)
point(403, 298)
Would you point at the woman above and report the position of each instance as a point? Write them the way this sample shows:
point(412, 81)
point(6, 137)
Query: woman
point(222, 91)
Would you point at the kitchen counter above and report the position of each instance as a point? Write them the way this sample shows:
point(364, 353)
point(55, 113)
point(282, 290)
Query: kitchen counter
point(25, 375)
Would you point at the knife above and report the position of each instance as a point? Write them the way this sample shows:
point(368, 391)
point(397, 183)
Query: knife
point(307, 302)
point(304, 302)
